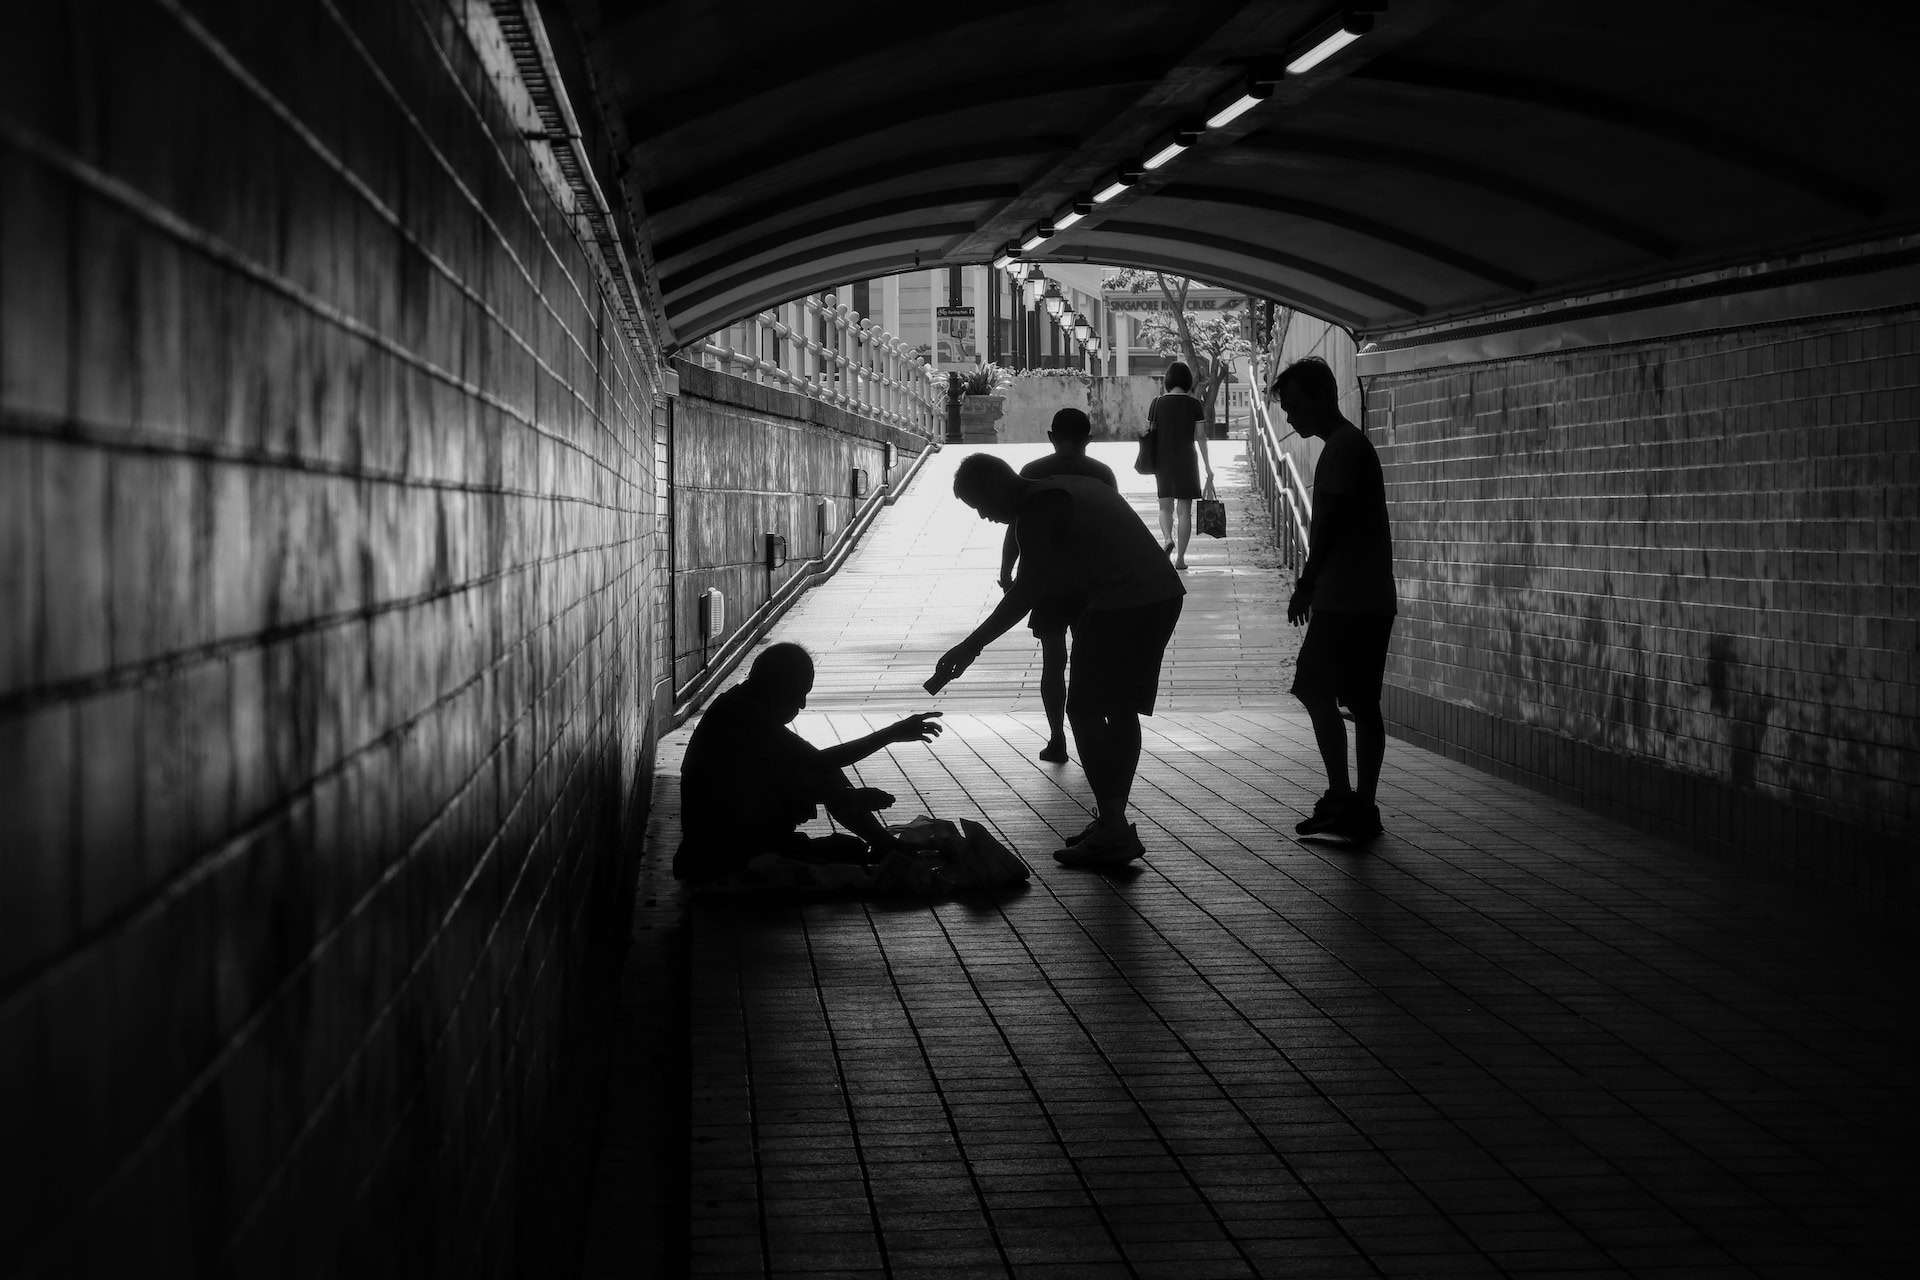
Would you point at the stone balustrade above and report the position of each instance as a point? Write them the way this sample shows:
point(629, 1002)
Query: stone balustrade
point(828, 351)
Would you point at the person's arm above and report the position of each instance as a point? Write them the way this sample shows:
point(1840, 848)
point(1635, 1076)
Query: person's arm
point(1200, 439)
point(1016, 604)
point(1009, 552)
point(1044, 524)
point(920, 727)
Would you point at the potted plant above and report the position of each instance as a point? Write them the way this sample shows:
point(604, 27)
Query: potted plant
point(981, 401)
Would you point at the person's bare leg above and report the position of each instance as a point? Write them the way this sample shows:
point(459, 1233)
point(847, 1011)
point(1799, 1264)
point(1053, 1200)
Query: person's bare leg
point(1330, 733)
point(1166, 523)
point(1053, 694)
point(1110, 753)
point(1369, 750)
point(1186, 532)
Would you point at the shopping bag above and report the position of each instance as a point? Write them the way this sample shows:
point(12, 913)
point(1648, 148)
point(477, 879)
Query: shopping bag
point(1210, 515)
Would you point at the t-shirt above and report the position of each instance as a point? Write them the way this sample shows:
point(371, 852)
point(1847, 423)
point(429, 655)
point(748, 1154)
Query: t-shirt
point(1080, 539)
point(1357, 576)
point(747, 781)
point(1069, 464)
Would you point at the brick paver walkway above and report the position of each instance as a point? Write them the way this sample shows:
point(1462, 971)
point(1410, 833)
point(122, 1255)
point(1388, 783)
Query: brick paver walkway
point(1510, 1039)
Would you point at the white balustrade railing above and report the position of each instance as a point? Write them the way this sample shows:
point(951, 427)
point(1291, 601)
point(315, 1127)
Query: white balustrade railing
point(828, 351)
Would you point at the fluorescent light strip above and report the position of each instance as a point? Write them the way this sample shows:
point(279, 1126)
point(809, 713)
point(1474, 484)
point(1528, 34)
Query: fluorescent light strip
point(1032, 242)
point(1228, 114)
point(1109, 191)
point(1066, 220)
point(1164, 154)
point(1321, 52)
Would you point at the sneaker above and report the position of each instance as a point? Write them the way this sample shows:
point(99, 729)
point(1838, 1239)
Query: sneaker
point(1055, 752)
point(1358, 822)
point(1326, 813)
point(1103, 848)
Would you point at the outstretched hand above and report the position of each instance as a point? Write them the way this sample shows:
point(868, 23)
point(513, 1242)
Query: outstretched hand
point(921, 727)
point(871, 798)
point(953, 662)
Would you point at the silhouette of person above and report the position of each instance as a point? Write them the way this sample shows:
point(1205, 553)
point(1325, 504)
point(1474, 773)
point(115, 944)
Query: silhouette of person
point(1345, 595)
point(1180, 421)
point(748, 780)
point(1086, 556)
point(1069, 434)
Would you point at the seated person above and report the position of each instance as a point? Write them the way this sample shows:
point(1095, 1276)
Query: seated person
point(749, 781)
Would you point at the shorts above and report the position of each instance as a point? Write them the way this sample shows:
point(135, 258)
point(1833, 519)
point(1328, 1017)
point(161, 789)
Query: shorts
point(1117, 655)
point(1345, 653)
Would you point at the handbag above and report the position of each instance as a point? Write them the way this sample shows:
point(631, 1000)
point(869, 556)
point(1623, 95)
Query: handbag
point(1146, 462)
point(1210, 515)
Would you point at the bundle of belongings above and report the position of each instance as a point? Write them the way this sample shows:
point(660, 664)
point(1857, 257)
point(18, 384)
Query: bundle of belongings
point(931, 858)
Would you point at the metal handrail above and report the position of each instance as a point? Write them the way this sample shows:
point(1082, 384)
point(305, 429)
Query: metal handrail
point(857, 365)
point(1279, 479)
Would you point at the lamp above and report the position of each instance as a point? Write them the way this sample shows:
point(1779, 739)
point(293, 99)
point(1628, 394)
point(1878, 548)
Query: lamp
point(1055, 303)
point(1080, 209)
point(1121, 181)
point(1327, 39)
point(1006, 259)
point(1252, 96)
point(776, 551)
point(1041, 234)
point(1181, 141)
point(860, 482)
point(1081, 329)
point(1036, 286)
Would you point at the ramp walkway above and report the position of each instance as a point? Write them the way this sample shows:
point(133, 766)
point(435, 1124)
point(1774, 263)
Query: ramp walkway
point(1510, 1039)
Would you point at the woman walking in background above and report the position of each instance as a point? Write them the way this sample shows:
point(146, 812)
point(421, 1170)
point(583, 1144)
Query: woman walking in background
point(1178, 420)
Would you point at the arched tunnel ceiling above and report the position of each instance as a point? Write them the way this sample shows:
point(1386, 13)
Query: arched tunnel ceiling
point(1459, 159)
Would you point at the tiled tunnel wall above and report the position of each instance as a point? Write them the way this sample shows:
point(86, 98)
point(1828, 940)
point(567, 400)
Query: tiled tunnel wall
point(327, 475)
point(1678, 580)
point(749, 460)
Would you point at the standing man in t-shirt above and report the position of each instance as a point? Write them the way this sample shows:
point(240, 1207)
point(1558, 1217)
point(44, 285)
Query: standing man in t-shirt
point(1069, 434)
point(1084, 553)
point(1345, 596)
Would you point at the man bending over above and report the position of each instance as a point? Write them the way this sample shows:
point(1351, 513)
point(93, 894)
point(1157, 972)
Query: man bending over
point(1084, 555)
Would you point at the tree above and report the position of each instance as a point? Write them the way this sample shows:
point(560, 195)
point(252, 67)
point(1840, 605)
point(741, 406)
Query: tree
point(1209, 342)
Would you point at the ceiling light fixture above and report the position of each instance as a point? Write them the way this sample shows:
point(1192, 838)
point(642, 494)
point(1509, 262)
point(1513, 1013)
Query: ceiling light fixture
point(1329, 38)
point(1250, 97)
point(1125, 179)
point(1181, 141)
point(1080, 209)
point(1041, 234)
point(1006, 261)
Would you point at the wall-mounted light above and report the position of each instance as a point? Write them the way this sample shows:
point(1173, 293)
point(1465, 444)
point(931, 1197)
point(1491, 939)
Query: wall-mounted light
point(776, 551)
point(1252, 96)
point(1327, 39)
point(860, 481)
point(1041, 234)
point(1181, 141)
point(887, 456)
point(713, 613)
point(826, 519)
